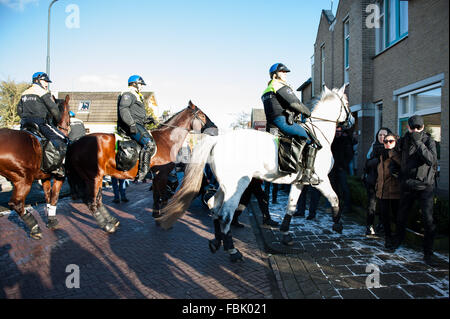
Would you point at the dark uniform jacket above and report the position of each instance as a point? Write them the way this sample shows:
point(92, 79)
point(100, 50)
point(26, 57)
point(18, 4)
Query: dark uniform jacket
point(130, 109)
point(37, 104)
point(419, 160)
point(279, 97)
point(77, 129)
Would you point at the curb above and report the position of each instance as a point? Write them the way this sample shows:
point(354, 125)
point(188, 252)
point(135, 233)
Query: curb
point(272, 244)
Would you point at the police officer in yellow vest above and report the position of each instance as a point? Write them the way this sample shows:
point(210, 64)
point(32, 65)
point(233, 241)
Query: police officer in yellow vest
point(280, 103)
point(37, 108)
point(131, 118)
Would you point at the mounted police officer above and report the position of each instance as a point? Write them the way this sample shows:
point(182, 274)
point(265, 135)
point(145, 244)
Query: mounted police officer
point(281, 105)
point(131, 118)
point(38, 109)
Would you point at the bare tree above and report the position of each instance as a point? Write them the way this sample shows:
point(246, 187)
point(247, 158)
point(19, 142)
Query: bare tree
point(242, 120)
point(10, 93)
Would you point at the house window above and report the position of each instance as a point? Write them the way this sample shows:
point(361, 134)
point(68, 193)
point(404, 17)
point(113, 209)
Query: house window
point(322, 65)
point(346, 50)
point(312, 76)
point(393, 23)
point(427, 103)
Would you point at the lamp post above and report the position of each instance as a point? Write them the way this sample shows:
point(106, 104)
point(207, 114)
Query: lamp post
point(48, 39)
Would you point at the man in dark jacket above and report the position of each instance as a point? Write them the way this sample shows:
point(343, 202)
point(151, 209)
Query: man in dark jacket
point(77, 129)
point(342, 150)
point(418, 169)
point(131, 118)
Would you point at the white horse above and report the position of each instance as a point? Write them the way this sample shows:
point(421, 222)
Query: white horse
point(241, 155)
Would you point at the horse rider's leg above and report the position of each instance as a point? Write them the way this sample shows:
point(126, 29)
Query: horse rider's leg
point(294, 194)
point(102, 209)
point(93, 206)
point(325, 188)
point(17, 203)
point(50, 208)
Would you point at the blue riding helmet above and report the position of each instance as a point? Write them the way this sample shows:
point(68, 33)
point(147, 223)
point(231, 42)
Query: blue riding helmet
point(278, 67)
point(40, 76)
point(71, 114)
point(136, 79)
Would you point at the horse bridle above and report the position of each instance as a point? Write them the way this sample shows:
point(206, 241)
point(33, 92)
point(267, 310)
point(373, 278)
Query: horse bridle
point(347, 118)
point(196, 117)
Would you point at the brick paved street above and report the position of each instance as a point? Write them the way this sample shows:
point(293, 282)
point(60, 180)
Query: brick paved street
point(324, 264)
point(139, 261)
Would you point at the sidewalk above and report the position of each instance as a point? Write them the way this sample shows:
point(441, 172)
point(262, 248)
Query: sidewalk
point(326, 265)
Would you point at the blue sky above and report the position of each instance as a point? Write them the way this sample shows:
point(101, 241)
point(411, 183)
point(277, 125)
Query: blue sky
point(216, 53)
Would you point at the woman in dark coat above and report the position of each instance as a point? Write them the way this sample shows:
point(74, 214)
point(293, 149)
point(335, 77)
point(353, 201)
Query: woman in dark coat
point(370, 179)
point(388, 188)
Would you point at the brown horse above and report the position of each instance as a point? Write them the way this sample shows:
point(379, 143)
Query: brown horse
point(20, 163)
point(92, 157)
point(161, 173)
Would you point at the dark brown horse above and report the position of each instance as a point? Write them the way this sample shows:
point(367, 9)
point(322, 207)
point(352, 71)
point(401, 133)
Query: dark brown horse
point(92, 157)
point(160, 188)
point(20, 163)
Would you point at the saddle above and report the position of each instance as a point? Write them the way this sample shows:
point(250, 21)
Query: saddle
point(127, 151)
point(291, 150)
point(51, 158)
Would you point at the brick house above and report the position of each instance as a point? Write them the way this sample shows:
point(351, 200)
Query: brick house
point(98, 110)
point(394, 56)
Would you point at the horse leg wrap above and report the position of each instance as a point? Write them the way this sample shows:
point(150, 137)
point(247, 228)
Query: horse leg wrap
point(284, 228)
point(214, 244)
point(110, 219)
point(51, 210)
point(103, 223)
point(228, 243)
point(32, 225)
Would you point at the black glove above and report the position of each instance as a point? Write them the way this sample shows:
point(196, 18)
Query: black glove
point(416, 137)
point(150, 120)
point(133, 129)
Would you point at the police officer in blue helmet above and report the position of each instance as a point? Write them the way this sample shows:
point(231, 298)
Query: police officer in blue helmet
point(131, 118)
point(280, 106)
point(37, 108)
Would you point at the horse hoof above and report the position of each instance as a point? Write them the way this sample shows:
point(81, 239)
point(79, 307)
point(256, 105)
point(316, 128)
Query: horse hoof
point(52, 223)
point(214, 245)
point(156, 214)
point(287, 240)
point(338, 227)
point(237, 256)
point(36, 233)
point(109, 228)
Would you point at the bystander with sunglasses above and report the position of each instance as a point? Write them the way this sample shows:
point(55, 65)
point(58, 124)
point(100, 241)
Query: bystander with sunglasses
point(418, 169)
point(388, 185)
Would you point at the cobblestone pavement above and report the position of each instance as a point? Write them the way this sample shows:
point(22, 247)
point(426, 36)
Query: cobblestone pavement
point(140, 260)
point(324, 264)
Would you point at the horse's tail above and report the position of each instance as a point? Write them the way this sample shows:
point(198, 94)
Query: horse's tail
point(191, 184)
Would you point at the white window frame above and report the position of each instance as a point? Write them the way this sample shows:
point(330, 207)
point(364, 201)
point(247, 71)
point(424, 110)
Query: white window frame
point(411, 109)
point(385, 24)
point(346, 51)
point(312, 76)
point(378, 116)
point(322, 65)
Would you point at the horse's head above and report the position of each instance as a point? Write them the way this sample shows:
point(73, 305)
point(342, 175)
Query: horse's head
point(200, 121)
point(64, 109)
point(344, 117)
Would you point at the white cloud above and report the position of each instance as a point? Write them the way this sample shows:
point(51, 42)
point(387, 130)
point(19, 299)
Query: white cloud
point(18, 5)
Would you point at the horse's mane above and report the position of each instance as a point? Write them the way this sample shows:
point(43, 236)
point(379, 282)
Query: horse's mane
point(161, 125)
point(325, 96)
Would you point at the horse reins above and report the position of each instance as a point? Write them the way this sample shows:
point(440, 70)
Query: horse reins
point(195, 117)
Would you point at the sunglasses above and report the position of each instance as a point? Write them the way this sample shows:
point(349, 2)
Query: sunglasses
point(388, 141)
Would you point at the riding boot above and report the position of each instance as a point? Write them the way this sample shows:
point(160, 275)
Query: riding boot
point(30, 221)
point(144, 161)
point(308, 172)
